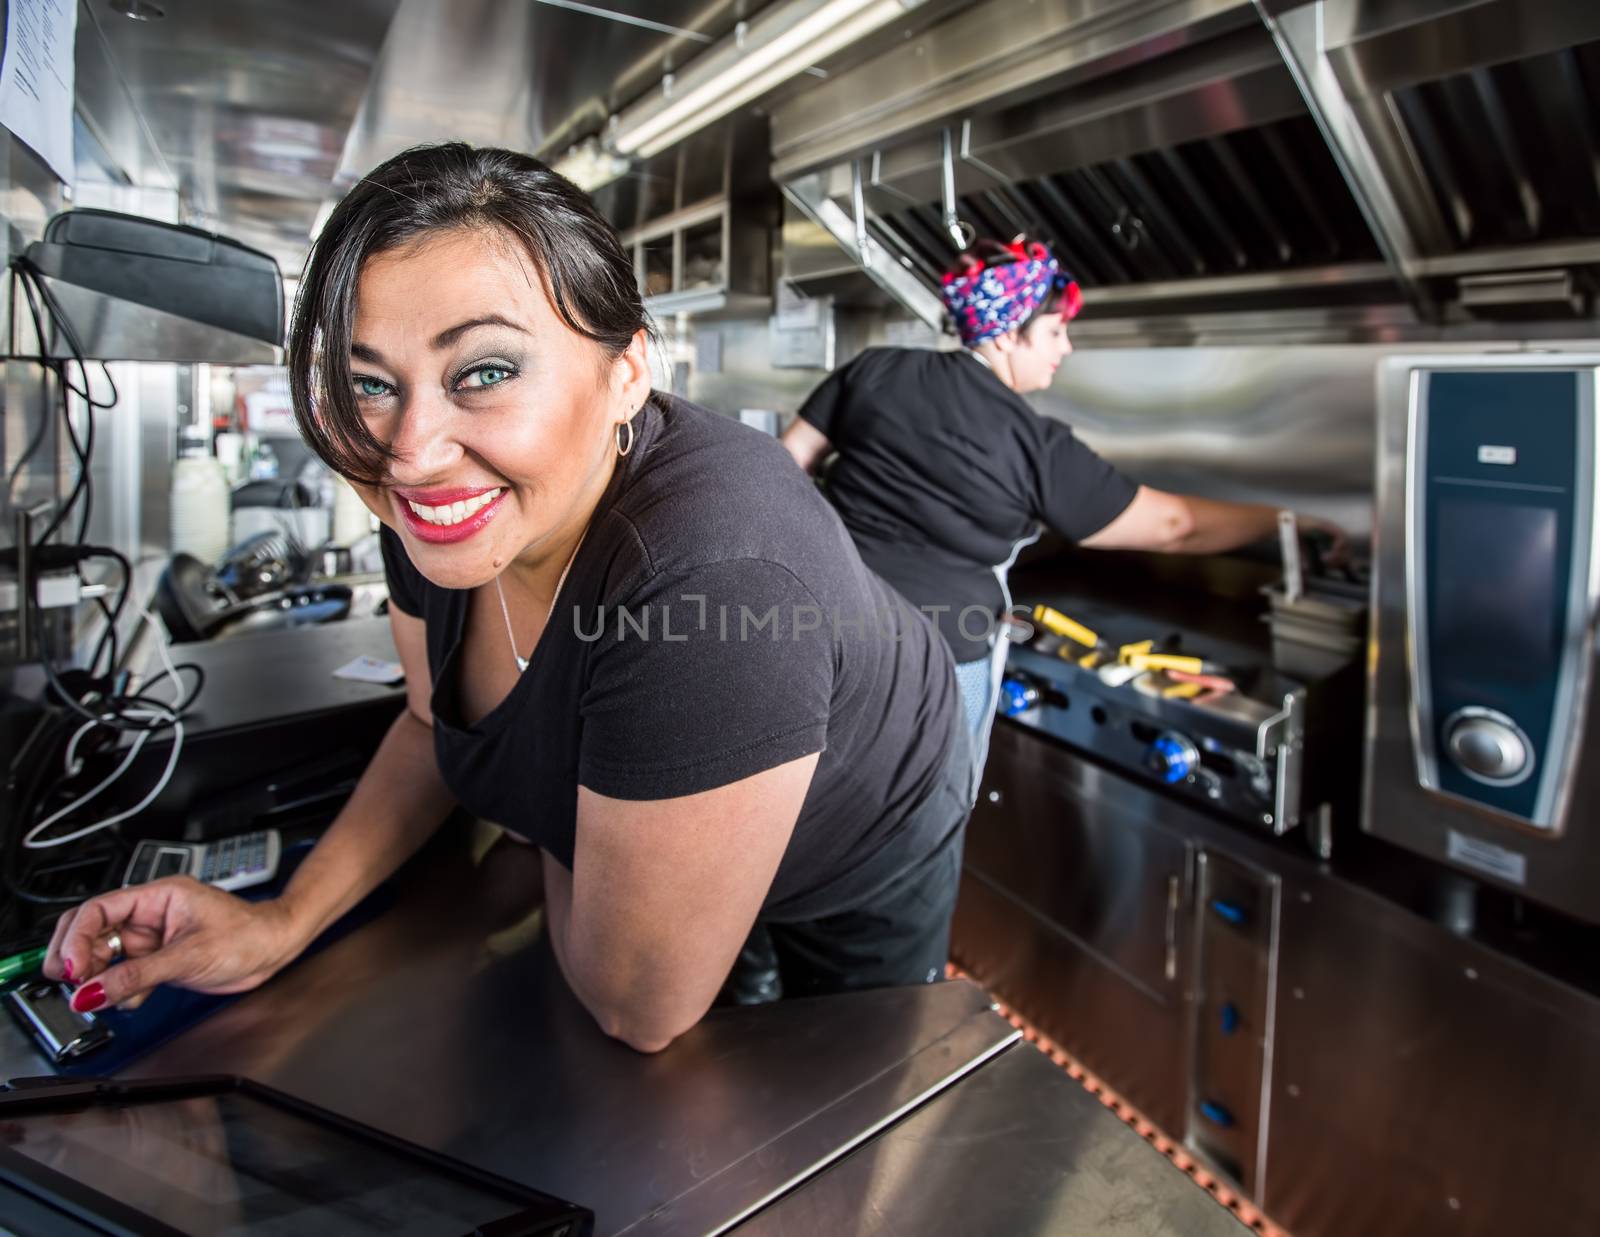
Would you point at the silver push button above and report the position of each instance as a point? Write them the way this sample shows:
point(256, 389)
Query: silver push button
point(1488, 746)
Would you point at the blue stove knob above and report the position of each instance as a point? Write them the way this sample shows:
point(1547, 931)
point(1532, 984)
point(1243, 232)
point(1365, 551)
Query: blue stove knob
point(1172, 758)
point(1017, 696)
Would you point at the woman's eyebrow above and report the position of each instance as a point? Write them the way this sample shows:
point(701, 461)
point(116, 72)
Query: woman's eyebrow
point(365, 352)
point(449, 336)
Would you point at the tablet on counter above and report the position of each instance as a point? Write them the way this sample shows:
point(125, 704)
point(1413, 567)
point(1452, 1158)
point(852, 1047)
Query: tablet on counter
point(224, 1155)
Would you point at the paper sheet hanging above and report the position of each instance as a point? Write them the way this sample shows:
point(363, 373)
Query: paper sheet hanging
point(36, 79)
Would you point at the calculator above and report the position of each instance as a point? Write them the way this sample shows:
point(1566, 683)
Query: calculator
point(230, 864)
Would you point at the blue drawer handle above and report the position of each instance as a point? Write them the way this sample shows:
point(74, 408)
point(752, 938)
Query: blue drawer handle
point(1230, 1018)
point(1216, 1114)
point(1232, 913)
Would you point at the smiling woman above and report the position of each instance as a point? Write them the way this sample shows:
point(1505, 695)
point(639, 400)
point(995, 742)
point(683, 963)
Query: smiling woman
point(766, 737)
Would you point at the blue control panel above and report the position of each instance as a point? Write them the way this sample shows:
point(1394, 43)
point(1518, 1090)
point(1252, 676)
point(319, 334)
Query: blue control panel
point(1500, 554)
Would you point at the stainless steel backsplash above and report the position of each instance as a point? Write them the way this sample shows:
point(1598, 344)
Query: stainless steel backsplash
point(1286, 425)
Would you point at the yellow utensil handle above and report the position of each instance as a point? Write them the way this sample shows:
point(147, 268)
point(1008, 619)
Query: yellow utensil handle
point(1059, 624)
point(1168, 661)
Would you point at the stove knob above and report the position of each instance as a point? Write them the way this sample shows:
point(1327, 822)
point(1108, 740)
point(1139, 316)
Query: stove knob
point(1016, 696)
point(1172, 757)
point(1488, 747)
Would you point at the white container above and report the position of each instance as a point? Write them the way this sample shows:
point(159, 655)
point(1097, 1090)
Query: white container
point(230, 451)
point(311, 526)
point(351, 519)
point(199, 508)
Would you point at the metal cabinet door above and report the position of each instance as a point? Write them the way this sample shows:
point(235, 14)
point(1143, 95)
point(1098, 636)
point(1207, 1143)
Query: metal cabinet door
point(1073, 910)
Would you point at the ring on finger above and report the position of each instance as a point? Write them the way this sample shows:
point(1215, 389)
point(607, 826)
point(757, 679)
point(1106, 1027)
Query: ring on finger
point(114, 944)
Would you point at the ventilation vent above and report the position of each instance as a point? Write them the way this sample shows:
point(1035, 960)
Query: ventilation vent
point(1253, 201)
point(1511, 153)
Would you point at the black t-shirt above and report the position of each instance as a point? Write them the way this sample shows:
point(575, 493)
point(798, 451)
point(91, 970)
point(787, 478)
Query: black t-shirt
point(716, 622)
point(943, 470)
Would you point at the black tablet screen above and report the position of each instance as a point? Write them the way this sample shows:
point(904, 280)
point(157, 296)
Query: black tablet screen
point(230, 1162)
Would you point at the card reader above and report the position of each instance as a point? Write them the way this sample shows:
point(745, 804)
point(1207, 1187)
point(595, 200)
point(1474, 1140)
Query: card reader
point(43, 1008)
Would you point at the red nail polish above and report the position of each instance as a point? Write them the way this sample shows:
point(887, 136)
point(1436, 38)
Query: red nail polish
point(66, 969)
point(89, 998)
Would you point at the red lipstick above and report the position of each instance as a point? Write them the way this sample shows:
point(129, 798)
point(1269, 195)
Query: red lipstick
point(443, 498)
point(446, 534)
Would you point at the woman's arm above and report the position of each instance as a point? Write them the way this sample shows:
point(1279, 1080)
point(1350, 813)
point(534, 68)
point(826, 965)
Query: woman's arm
point(1182, 524)
point(662, 896)
point(179, 931)
point(809, 445)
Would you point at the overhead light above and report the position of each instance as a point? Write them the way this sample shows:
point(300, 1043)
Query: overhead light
point(778, 45)
point(590, 165)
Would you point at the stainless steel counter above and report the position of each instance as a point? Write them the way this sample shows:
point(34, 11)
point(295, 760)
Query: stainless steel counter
point(1016, 1147)
point(446, 1021)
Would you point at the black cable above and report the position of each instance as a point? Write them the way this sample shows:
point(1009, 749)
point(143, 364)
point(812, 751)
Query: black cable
point(107, 641)
point(80, 448)
point(37, 801)
point(112, 715)
point(18, 276)
point(36, 290)
point(23, 782)
point(58, 317)
point(180, 707)
point(44, 421)
point(33, 799)
point(184, 702)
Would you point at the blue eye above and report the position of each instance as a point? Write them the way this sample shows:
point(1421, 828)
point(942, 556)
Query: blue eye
point(487, 376)
point(371, 388)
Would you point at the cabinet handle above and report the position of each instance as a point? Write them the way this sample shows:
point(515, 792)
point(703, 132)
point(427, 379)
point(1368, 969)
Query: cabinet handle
point(1174, 896)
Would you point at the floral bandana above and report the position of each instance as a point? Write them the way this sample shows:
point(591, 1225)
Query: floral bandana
point(988, 301)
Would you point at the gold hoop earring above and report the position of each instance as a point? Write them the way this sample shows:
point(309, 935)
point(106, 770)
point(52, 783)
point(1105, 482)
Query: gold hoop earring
point(624, 447)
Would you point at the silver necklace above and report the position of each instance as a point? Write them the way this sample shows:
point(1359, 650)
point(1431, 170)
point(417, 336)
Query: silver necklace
point(522, 662)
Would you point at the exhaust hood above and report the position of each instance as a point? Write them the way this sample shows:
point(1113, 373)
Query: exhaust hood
point(1468, 131)
point(1356, 165)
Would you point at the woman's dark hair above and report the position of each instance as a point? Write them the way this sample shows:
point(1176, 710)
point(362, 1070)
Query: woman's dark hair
point(986, 251)
point(431, 189)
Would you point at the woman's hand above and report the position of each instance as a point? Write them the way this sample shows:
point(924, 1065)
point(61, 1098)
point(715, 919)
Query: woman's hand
point(1332, 542)
point(173, 931)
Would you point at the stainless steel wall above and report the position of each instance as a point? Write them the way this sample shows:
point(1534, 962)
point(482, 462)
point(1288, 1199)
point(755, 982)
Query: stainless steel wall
point(1287, 425)
point(29, 195)
point(1293, 426)
point(745, 376)
point(136, 441)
